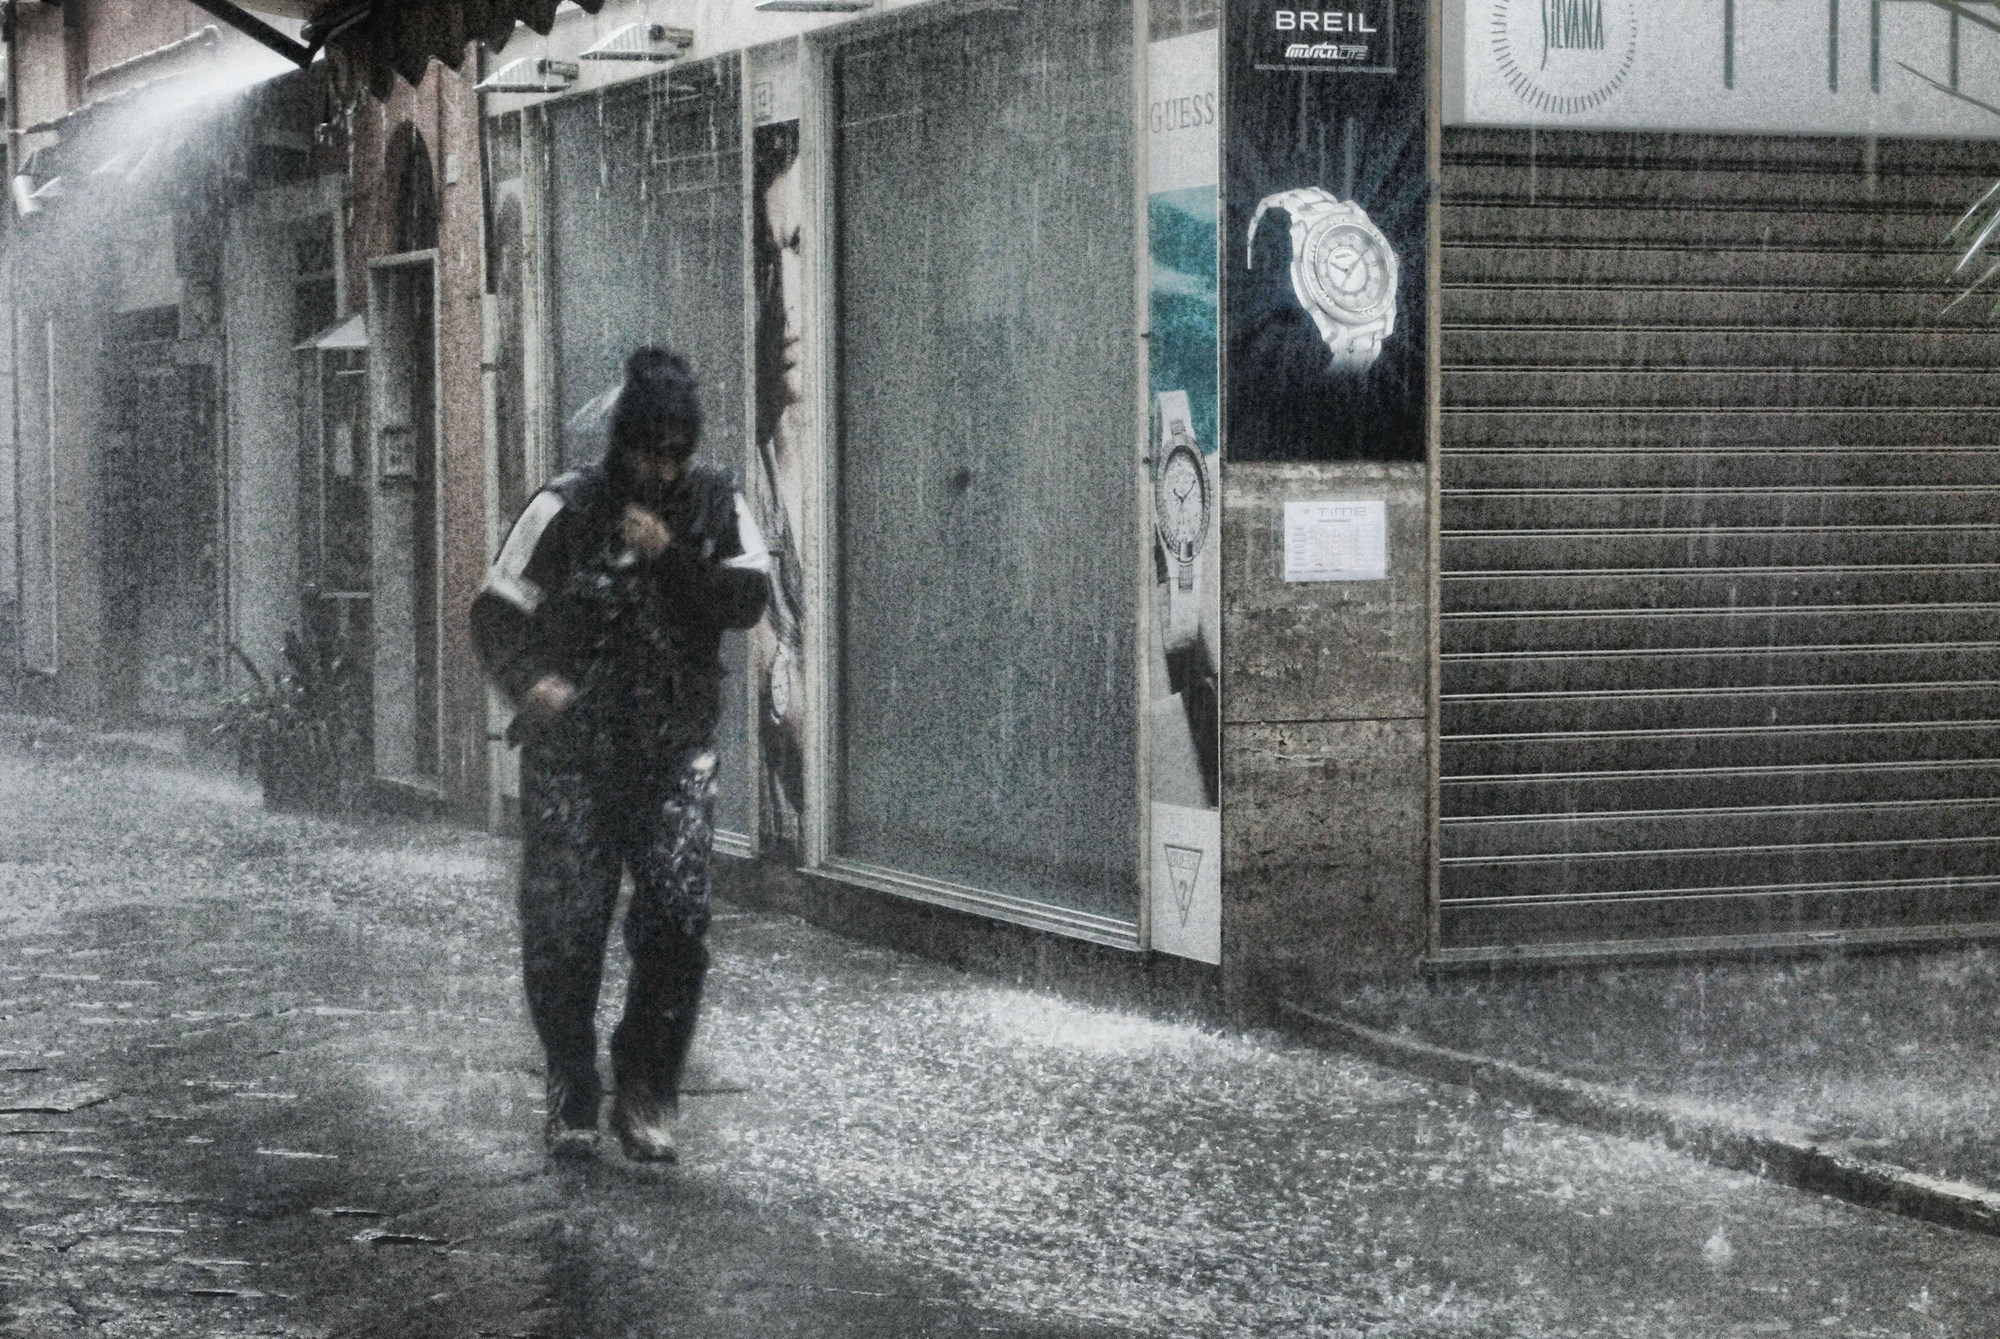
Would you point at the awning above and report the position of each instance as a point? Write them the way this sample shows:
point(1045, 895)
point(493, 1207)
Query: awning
point(175, 138)
point(370, 42)
point(340, 337)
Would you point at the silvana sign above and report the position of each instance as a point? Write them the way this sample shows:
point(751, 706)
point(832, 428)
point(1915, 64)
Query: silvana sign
point(1356, 38)
point(1844, 67)
point(1563, 56)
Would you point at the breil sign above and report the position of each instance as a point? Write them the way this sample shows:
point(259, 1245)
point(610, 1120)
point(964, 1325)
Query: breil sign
point(1357, 38)
point(1321, 21)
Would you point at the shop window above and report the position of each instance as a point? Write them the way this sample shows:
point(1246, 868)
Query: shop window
point(315, 277)
point(403, 516)
point(985, 682)
point(415, 220)
point(647, 248)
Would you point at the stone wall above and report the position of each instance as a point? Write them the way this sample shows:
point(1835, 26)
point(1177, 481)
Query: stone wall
point(1326, 772)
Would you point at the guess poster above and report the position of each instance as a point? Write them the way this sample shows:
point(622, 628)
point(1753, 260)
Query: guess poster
point(1183, 719)
point(1325, 231)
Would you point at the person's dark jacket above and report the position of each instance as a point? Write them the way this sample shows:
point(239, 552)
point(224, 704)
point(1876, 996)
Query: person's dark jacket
point(639, 638)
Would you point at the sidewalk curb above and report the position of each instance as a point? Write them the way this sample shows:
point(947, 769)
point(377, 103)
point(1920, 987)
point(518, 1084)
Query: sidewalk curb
point(1787, 1154)
point(56, 737)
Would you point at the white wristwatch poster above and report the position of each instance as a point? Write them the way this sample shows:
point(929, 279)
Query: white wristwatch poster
point(1343, 272)
point(1327, 216)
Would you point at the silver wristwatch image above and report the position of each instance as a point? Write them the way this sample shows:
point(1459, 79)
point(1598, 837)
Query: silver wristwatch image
point(1343, 271)
point(1182, 507)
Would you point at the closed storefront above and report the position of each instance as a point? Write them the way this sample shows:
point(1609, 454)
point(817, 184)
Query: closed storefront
point(1720, 593)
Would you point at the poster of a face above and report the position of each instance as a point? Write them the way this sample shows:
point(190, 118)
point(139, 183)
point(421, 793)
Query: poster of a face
point(777, 484)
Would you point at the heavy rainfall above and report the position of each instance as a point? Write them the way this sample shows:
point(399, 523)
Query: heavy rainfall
point(1053, 669)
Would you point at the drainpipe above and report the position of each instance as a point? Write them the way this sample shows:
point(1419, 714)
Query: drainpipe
point(316, 34)
point(11, 371)
point(259, 31)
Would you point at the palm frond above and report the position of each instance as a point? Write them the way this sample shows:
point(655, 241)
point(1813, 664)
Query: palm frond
point(1947, 89)
point(1967, 13)
point(1992, 192)
point(1972, 287)
point(1978, 242)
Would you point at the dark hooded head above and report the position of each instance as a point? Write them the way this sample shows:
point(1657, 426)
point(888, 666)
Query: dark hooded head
point(659, 408)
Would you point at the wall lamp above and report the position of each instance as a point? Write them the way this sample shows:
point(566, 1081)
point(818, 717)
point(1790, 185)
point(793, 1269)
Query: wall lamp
point(642, 41)
point(530, 76)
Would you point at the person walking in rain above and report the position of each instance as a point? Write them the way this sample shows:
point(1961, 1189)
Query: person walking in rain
point(601, 621)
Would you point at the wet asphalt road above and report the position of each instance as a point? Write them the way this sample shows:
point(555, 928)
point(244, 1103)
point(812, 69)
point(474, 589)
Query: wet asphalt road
point(270, 1076)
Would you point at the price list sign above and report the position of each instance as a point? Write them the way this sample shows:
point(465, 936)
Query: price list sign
point(1337, 540)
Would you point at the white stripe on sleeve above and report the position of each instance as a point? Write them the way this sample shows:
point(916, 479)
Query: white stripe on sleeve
point(756, 557)
point(507, 577)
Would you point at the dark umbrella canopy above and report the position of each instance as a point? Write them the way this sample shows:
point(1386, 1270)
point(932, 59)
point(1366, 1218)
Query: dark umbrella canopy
point(369, 43)
point(402, 37)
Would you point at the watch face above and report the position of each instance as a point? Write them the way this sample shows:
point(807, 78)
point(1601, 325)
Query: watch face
point(1180, 501)
point(1349, 270)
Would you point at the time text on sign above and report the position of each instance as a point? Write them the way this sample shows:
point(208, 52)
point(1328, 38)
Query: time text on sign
point(1343, 539)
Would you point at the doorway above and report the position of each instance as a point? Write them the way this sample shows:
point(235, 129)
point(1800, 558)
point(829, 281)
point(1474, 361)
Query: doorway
point(160, 526)
point(402, 379)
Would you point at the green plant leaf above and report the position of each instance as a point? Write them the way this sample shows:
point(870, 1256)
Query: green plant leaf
point(1992, 192)
point(1947, 89)
point(1964, 12)
point(1972, 287)
point(1978, 242)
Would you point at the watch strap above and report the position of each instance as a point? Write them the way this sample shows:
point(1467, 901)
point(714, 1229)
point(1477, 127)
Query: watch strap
point(1301, 202)
point(1356, 345)
point(1182, 621)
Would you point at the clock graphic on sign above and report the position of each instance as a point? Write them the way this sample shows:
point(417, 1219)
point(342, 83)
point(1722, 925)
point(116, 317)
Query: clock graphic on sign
point(1565, 57)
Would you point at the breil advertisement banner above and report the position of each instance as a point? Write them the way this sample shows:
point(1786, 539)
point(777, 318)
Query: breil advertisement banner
point(1183, 719)
point(1837, 67)
point(1325, 230)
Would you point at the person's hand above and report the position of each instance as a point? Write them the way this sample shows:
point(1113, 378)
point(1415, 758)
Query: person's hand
point(645, 531)
point(549, 698)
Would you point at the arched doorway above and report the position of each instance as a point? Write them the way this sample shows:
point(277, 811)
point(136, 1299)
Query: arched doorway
point(402, 323)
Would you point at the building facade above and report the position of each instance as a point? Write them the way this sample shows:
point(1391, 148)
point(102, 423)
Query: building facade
point(149, 538)
point(207, 457)
point(1263, 495)
point(1623, 596)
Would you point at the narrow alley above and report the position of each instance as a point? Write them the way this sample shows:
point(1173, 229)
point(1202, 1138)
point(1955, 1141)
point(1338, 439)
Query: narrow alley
point(271, 1075)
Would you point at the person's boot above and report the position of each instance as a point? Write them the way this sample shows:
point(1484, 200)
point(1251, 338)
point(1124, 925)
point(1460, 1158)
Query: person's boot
point(639, 1118)
point(569, 1131)
point(651, 1044)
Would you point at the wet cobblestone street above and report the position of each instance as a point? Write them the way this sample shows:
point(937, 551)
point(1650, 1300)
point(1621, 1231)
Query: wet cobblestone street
point(271, 1075)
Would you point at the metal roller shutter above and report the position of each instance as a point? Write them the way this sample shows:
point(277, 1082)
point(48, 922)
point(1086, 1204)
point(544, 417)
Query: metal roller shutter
point(1721, 540)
